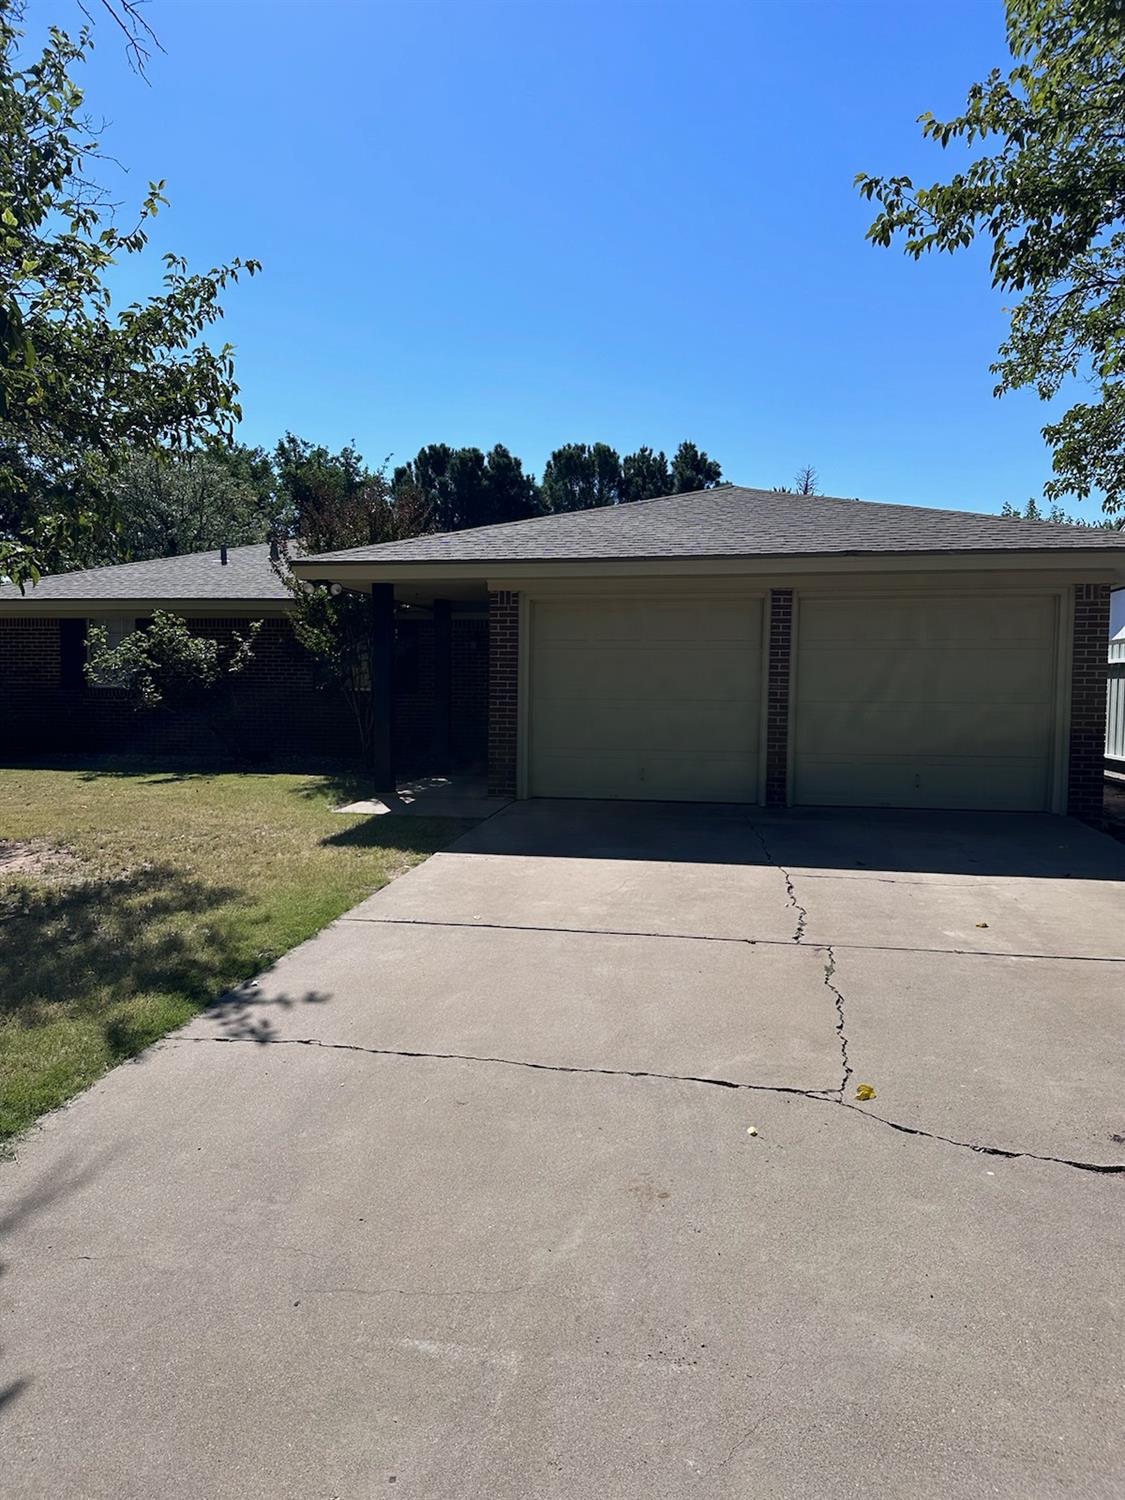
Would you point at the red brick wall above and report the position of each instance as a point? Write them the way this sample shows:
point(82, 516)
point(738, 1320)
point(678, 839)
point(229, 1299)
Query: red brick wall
point(277, 707)
point(777, 696)
point(503, 691)
point(1086, 779)
point(30, 655)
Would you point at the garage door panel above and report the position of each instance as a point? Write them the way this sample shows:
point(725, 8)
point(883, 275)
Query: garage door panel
point(646, 622)
point(930, 622)
point(640, 725)
point(681, 672)
point(1007, 784)
point(949, 676)
point(660, 776)
point(645, 698)
point(956, 728)
point(925, 702)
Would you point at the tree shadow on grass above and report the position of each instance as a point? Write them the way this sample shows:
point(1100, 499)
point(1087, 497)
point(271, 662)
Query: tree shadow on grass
point(412, 835)
point(339, 784)
point(84, 950)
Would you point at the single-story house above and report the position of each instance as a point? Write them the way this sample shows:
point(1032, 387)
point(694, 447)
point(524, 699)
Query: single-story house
point(284, 708)
point(748, 646)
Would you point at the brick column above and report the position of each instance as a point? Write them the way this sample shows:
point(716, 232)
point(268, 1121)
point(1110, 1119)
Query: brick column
point(1086, 777)
point(777, 696)
point(503, 691)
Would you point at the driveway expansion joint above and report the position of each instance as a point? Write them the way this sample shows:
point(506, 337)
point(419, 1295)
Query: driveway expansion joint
point(831, 1097)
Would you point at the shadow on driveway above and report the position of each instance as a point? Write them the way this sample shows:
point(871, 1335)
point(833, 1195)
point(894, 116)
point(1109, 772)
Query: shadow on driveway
point(955, 843)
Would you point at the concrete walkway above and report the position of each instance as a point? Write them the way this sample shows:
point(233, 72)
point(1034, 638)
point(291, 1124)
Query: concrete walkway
point(542, 1174)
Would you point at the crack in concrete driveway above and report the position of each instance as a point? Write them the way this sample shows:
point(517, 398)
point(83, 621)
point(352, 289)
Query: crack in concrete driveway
point(821, 1096)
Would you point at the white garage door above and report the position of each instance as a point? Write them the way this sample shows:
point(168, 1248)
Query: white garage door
point(645, 698)
point(913, 702)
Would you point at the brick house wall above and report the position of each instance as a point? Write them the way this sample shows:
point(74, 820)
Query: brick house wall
point(779, 665)
point(1086, 777)
point(503, 691)
point(30, 655)
point(276, 707)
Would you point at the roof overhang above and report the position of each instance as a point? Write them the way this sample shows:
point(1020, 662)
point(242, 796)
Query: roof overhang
point(1096, 565)
point(211, 609)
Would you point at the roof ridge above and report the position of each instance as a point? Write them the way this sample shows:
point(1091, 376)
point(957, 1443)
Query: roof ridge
point(942, 510)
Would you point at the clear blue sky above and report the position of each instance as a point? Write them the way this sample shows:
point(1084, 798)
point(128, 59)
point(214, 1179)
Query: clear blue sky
point(534, 223)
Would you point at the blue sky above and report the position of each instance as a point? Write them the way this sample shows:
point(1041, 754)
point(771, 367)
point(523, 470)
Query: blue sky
point(535, 223)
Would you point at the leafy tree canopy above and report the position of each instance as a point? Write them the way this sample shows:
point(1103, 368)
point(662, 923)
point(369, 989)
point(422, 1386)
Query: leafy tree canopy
point(82, 386)
point(1051, 200)
point(169, 503)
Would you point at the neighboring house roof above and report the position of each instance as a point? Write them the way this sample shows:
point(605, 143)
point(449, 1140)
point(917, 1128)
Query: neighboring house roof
point(733, 522)
point(197, 576)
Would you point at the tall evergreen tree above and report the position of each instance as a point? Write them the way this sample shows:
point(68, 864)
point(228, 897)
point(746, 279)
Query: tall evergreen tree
point(509, 493)
point(693, 469)
point(464, 487)
point(582, 476)
point(645, 475)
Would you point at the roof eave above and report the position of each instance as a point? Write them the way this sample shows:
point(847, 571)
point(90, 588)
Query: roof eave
point(29, 604)
point(1103, 563)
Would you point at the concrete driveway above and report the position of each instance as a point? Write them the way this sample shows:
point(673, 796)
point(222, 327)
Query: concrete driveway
point(464, 1199)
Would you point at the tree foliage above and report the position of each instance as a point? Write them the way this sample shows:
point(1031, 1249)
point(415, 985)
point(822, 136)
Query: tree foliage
point(337, 502)
point(466, 487)
point(1051, 200)
point(645, 475)
point(581, 476)
point(170, 503)
point(692, 469)
point(1033, 511)
point(83, 386)
point(165, 664)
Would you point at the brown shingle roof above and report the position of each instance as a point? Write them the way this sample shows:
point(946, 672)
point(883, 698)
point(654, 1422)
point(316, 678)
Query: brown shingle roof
point(734, 522)
point(247, 575)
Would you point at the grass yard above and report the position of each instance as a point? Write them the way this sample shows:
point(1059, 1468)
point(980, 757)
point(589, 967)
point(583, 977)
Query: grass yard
point(130, 898)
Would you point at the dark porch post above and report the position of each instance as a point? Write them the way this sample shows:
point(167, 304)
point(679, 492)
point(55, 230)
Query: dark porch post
point(443, 685)
point(382, 685)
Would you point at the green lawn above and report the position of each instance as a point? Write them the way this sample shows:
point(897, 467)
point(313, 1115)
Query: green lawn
point(182, 884)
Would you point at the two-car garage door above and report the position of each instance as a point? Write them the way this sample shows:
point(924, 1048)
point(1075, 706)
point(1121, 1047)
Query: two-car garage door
point(897, 701)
